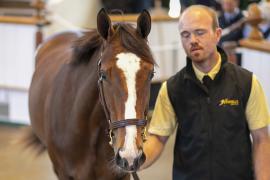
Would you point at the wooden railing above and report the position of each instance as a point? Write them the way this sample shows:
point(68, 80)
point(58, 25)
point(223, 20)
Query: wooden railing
point(133, 18)
point(37, 19)
point(33, 20)
point(261, 45)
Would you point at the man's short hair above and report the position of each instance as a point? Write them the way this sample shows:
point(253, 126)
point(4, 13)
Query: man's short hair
point(209, 10)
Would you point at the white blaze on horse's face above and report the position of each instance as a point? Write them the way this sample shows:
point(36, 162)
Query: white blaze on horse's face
point(129, 63)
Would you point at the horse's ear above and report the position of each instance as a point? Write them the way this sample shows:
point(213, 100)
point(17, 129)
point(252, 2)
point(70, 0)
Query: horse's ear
point(104, 24)
point(144, 24)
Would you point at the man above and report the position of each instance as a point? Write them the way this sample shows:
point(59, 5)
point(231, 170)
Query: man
point(215, 114)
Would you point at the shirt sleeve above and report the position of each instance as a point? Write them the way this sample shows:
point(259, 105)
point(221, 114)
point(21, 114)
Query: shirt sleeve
point(163, 122)
point(257, 111)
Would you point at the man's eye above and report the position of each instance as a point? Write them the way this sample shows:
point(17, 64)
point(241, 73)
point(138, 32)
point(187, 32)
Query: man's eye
point(185, 35)
point(200, 32)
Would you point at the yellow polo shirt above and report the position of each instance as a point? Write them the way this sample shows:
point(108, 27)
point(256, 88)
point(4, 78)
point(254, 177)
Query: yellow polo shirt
point(164, 120)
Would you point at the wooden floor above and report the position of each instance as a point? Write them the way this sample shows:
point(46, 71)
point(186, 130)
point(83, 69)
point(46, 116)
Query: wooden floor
point(18, 163)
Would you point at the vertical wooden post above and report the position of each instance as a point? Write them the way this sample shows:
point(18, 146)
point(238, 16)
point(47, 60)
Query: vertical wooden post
point(39, 35)
point(39, 5)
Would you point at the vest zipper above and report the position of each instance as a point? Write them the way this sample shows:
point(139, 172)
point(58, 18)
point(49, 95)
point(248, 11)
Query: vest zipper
point(210, 134)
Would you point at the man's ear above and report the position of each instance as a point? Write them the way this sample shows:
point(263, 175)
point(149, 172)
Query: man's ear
point(104, 25)
point(144, 24)
point(218, 33)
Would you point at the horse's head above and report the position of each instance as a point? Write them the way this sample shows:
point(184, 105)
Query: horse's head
point(126, 68)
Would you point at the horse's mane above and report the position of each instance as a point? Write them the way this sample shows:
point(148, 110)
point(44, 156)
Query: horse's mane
point(85, 46)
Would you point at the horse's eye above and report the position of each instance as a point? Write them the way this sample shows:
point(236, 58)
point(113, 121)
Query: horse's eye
point(152, 74)
point(103, 75)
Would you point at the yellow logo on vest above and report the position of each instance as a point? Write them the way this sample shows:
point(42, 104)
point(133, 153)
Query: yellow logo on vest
point(230, 102)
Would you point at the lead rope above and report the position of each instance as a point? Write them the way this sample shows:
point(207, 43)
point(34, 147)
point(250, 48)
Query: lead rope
point(135, 176)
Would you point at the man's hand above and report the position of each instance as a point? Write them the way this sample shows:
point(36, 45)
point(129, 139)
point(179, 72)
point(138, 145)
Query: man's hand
point(153, 148)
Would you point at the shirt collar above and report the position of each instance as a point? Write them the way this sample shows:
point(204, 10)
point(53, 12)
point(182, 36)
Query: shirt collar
point(212, 73)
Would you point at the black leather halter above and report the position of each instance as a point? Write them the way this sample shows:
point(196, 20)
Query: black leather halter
point(119, 123)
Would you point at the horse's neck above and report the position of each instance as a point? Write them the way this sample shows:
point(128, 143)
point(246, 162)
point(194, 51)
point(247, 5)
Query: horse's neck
point(89, 106)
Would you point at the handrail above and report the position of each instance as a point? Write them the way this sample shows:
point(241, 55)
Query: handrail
point(33, 20)
point(133, 18)
point(261, 45)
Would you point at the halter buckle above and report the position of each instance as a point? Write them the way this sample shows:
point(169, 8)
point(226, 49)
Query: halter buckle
point(144, 134)
point(111, 137)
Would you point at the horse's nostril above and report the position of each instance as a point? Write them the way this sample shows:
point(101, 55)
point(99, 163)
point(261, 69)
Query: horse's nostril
point(139, 160)
point(136, 164)
point(121, 162)
point(117, 158)
point(125, 163)
point(142, 158)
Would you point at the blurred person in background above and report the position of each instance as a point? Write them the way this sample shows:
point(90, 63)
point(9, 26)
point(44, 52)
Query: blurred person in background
point(231, 20)
point(210, 3)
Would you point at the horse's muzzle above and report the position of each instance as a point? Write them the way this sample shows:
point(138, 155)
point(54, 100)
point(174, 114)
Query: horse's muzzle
point(123, 162)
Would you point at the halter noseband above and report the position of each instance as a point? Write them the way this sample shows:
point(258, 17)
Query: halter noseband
point(119, 123)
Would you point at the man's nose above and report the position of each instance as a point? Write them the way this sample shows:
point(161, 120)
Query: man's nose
point(193, 38)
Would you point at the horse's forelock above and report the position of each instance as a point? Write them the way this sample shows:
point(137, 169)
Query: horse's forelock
point(132, 42)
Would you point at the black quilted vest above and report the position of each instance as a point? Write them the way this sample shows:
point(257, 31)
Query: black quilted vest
point(213, 139)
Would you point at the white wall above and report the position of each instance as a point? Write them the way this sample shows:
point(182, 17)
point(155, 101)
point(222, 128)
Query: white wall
point(17, 50)
point(164, 41)
point(71, 14)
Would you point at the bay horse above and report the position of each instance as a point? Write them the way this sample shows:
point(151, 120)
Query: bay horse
point(86, 83)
